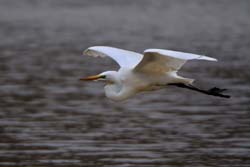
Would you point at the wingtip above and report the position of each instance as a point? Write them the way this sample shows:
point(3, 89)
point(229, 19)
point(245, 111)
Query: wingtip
point(85, 52)
point(88, 50)
point(213, 59)
point(94, 51)
point(208, 58)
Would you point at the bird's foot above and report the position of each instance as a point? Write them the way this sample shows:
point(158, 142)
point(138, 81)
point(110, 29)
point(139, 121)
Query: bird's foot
point(213, 91)
point(217, 91)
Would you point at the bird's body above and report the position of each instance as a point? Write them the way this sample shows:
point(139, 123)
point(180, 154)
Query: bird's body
point(154, 70)
point(130, 82)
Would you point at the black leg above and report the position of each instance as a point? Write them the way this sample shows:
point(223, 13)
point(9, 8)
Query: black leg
point(213, 91)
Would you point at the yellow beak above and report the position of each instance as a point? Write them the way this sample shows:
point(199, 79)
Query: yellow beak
point(91, 78)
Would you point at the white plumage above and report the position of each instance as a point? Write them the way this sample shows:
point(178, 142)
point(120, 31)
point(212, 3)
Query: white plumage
point(154, 69)
point(123, 57)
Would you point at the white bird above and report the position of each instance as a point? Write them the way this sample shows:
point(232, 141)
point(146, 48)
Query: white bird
point(152, 70)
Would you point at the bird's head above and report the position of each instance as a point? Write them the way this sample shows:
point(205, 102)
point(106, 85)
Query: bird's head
point(109, 76)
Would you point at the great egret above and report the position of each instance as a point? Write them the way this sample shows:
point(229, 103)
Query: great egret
point(152, 70)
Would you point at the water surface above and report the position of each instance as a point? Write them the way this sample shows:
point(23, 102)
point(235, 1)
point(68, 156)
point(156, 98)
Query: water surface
point(49, 118)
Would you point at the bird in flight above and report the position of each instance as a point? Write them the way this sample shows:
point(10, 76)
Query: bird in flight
point(154, 69)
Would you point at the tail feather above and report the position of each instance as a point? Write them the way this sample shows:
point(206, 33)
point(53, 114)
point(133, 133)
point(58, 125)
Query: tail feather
point(180, 79)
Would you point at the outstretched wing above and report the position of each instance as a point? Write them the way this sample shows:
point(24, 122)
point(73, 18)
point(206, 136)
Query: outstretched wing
point(124, 58)
point(161, 61)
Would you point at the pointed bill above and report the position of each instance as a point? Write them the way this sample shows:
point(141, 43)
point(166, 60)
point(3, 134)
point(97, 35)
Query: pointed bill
point(91, 78)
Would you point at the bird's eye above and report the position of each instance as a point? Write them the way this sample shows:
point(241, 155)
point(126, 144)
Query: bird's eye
point(103, 76)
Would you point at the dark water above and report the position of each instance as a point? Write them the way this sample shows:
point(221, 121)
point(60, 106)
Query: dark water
point(49, 118)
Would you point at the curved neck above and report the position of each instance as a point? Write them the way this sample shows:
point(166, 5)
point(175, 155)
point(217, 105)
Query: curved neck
point(118, 92)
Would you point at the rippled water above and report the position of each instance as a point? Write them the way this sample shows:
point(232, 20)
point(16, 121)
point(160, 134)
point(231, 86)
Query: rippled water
point(49, 118)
